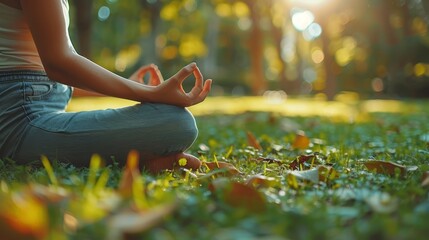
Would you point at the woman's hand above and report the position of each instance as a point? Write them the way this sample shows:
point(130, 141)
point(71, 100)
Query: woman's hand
point(155, 76)
point(172, 92)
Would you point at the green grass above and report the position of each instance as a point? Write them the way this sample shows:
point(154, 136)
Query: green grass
point(286, 203)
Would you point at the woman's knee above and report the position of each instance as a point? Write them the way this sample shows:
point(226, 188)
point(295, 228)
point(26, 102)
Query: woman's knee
point(174, 125)
point(185, 125)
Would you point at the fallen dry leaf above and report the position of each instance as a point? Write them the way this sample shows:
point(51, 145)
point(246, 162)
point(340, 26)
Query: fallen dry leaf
point(311, 175)
point(304, 162)
point(23, 216)
point(130, 174)
point(253, 142)
point(301, 141)
point(314, 175)
point(228, 167)
point(260, 181)
point(129, 222)
point(238, 194)
point(385, 167)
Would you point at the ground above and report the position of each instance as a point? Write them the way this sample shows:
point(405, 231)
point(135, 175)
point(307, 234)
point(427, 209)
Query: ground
point(274, 168)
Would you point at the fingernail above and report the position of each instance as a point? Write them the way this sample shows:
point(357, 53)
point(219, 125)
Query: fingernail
point(192, 64)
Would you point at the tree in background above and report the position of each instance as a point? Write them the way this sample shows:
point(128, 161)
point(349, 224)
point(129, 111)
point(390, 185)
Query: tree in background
point(374, 47)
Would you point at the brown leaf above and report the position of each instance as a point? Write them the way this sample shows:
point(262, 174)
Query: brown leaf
point(239, 194)
point(228, 167)
point(253, 142)
point(301, 141)
point(128, 223)
point(385, 167)
point(130, 174)
point(304, 162)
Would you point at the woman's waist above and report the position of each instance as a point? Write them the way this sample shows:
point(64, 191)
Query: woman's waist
point(28, 75)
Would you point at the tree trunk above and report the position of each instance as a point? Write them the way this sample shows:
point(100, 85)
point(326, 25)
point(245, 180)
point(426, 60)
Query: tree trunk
point(328, 63)
point(151, 53)
point(259, 84)
point(83, 19)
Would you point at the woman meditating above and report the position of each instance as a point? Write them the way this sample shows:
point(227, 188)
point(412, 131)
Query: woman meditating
point(39, 67)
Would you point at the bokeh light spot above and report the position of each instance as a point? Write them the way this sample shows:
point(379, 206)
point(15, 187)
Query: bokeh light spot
point(301, 19)
point(317, 56)
point(223, 10)
point(103, 13)
point(241, 9)
point(377, 85)
point(419, 69)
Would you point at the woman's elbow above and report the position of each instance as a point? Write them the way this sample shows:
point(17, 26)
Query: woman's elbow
point(57, 66)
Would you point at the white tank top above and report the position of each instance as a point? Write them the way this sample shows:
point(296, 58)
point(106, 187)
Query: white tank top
point(17, 48)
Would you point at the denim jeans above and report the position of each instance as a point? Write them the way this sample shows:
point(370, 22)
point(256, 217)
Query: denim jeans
point(33, 122)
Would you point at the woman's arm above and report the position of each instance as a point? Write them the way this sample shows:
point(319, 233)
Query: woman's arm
point(47, 24)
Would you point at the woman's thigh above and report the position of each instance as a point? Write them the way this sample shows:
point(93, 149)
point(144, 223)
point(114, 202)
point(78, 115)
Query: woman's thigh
point(152, 129)
point(24, 96)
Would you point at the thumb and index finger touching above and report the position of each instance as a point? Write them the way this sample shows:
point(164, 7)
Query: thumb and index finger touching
point(154, 74)
point(200, 89)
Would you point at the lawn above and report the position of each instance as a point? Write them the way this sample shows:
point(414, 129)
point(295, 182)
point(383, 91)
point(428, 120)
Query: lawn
point(274, 168)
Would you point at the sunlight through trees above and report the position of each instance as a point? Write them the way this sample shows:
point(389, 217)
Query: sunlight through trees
point(375, 48)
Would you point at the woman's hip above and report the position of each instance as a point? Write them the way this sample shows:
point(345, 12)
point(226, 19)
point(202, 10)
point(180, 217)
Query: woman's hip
point(26, 95)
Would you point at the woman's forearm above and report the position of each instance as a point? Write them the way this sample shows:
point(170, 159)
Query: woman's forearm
point(78, 71)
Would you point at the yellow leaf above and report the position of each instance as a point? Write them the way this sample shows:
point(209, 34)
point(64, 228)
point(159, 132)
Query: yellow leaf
point(48, 167)
point(327, 174)
point(291, 181)
point(23, 216)
point(301, 141)
point(130, 174)
point(94, 167)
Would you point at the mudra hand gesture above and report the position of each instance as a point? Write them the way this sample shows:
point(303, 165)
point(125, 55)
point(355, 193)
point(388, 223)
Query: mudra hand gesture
point(171, 91)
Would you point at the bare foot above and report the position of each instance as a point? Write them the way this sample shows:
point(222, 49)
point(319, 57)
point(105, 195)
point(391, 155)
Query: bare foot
point(169, 162)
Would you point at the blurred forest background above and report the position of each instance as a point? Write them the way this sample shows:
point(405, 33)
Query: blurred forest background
point(377, 48)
